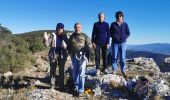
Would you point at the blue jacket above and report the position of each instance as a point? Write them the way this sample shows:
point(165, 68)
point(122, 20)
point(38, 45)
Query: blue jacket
point(120, 33)
point(101, 33)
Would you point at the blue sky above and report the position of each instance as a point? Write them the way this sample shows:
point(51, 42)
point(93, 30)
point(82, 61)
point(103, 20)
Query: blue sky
point(148, 19)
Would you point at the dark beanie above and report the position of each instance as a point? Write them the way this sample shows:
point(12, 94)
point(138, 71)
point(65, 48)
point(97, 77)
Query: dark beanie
point(59, 25)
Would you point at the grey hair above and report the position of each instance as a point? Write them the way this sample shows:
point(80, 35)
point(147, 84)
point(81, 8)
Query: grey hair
point(76, 24)
point(101, 13)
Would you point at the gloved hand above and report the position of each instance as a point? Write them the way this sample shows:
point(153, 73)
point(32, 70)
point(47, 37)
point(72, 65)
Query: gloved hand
point(45, 40)
point(46, 36)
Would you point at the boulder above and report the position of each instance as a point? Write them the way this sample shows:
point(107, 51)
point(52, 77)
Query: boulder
point(165, 66)
point(142, 64)
point(167, 60)
point(8, 74)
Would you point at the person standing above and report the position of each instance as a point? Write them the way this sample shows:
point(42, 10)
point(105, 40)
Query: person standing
point(100, 41)
point(78, 41)
point(119, 31)
point(57, 54)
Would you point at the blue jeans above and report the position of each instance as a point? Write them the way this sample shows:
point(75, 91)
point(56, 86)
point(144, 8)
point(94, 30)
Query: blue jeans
point(78, 74)
point(121, 50)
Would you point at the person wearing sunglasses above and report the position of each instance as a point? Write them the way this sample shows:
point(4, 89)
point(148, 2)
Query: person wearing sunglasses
point(57, 54)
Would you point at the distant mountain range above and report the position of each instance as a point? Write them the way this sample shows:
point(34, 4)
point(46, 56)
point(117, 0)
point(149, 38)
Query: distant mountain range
point(158, 58)
point(162, 48)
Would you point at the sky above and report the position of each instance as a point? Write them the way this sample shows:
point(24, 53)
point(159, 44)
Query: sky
point(148, 20)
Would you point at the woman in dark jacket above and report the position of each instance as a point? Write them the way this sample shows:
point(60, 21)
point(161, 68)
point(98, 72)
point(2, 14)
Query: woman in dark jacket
point(57, 54)
point(119, 32)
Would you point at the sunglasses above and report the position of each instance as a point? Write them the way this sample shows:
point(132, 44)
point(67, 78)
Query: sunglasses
point(60, 28)
point(119, 16)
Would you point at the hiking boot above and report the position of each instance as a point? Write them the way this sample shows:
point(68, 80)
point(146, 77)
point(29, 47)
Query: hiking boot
point(75, 92)
point(98, 72)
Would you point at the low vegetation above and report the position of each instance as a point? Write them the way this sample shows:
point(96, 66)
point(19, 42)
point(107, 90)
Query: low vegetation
point(17, 50)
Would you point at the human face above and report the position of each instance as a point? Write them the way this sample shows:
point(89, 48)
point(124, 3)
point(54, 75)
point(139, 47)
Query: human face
point(101, 17)
point(120, 18)
point(78, 28)
point(60, 31)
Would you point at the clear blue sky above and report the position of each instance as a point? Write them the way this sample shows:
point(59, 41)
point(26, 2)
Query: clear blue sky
point(149, 20)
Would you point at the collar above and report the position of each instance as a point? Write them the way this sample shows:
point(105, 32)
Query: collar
point(119, 23)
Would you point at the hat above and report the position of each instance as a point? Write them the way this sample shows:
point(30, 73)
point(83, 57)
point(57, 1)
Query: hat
point(60, 25)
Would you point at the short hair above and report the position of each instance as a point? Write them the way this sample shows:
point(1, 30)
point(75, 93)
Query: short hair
point(76, 24)
point(119, 13)
point(101, 13)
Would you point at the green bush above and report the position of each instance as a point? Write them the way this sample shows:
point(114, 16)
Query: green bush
point(37, 46)
point(11, 60)
point(16, 51)
point(14, 54)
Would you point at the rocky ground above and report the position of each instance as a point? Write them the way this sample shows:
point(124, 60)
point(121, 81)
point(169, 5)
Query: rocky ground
point(32, 83)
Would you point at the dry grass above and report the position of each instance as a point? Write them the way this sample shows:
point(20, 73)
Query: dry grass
point(20, 93)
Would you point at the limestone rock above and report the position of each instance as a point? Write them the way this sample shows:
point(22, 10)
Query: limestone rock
point(141, 63)
point(8, 74)
point(167, 60)
point(165, 66)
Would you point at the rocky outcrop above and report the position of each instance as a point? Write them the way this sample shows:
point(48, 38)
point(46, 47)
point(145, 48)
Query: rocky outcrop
point(115, 86)
point(167, 60)
point(6, 78)
point(102, 85)
point(48, 94)
point(165, 66)
point(141, 63)
point(41, 63)
point(137, 67)
point(159, 82)
point(107, 86)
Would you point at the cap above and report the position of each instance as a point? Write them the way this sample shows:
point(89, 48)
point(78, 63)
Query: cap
point(60, 25)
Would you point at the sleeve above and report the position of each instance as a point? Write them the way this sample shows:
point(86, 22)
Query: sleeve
point(108, 34)
point(87, 41)
point(69, 45)
point(93, 33)
point(66, 39)
point(111, 31)
point(127, 31)
point(88, 47)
